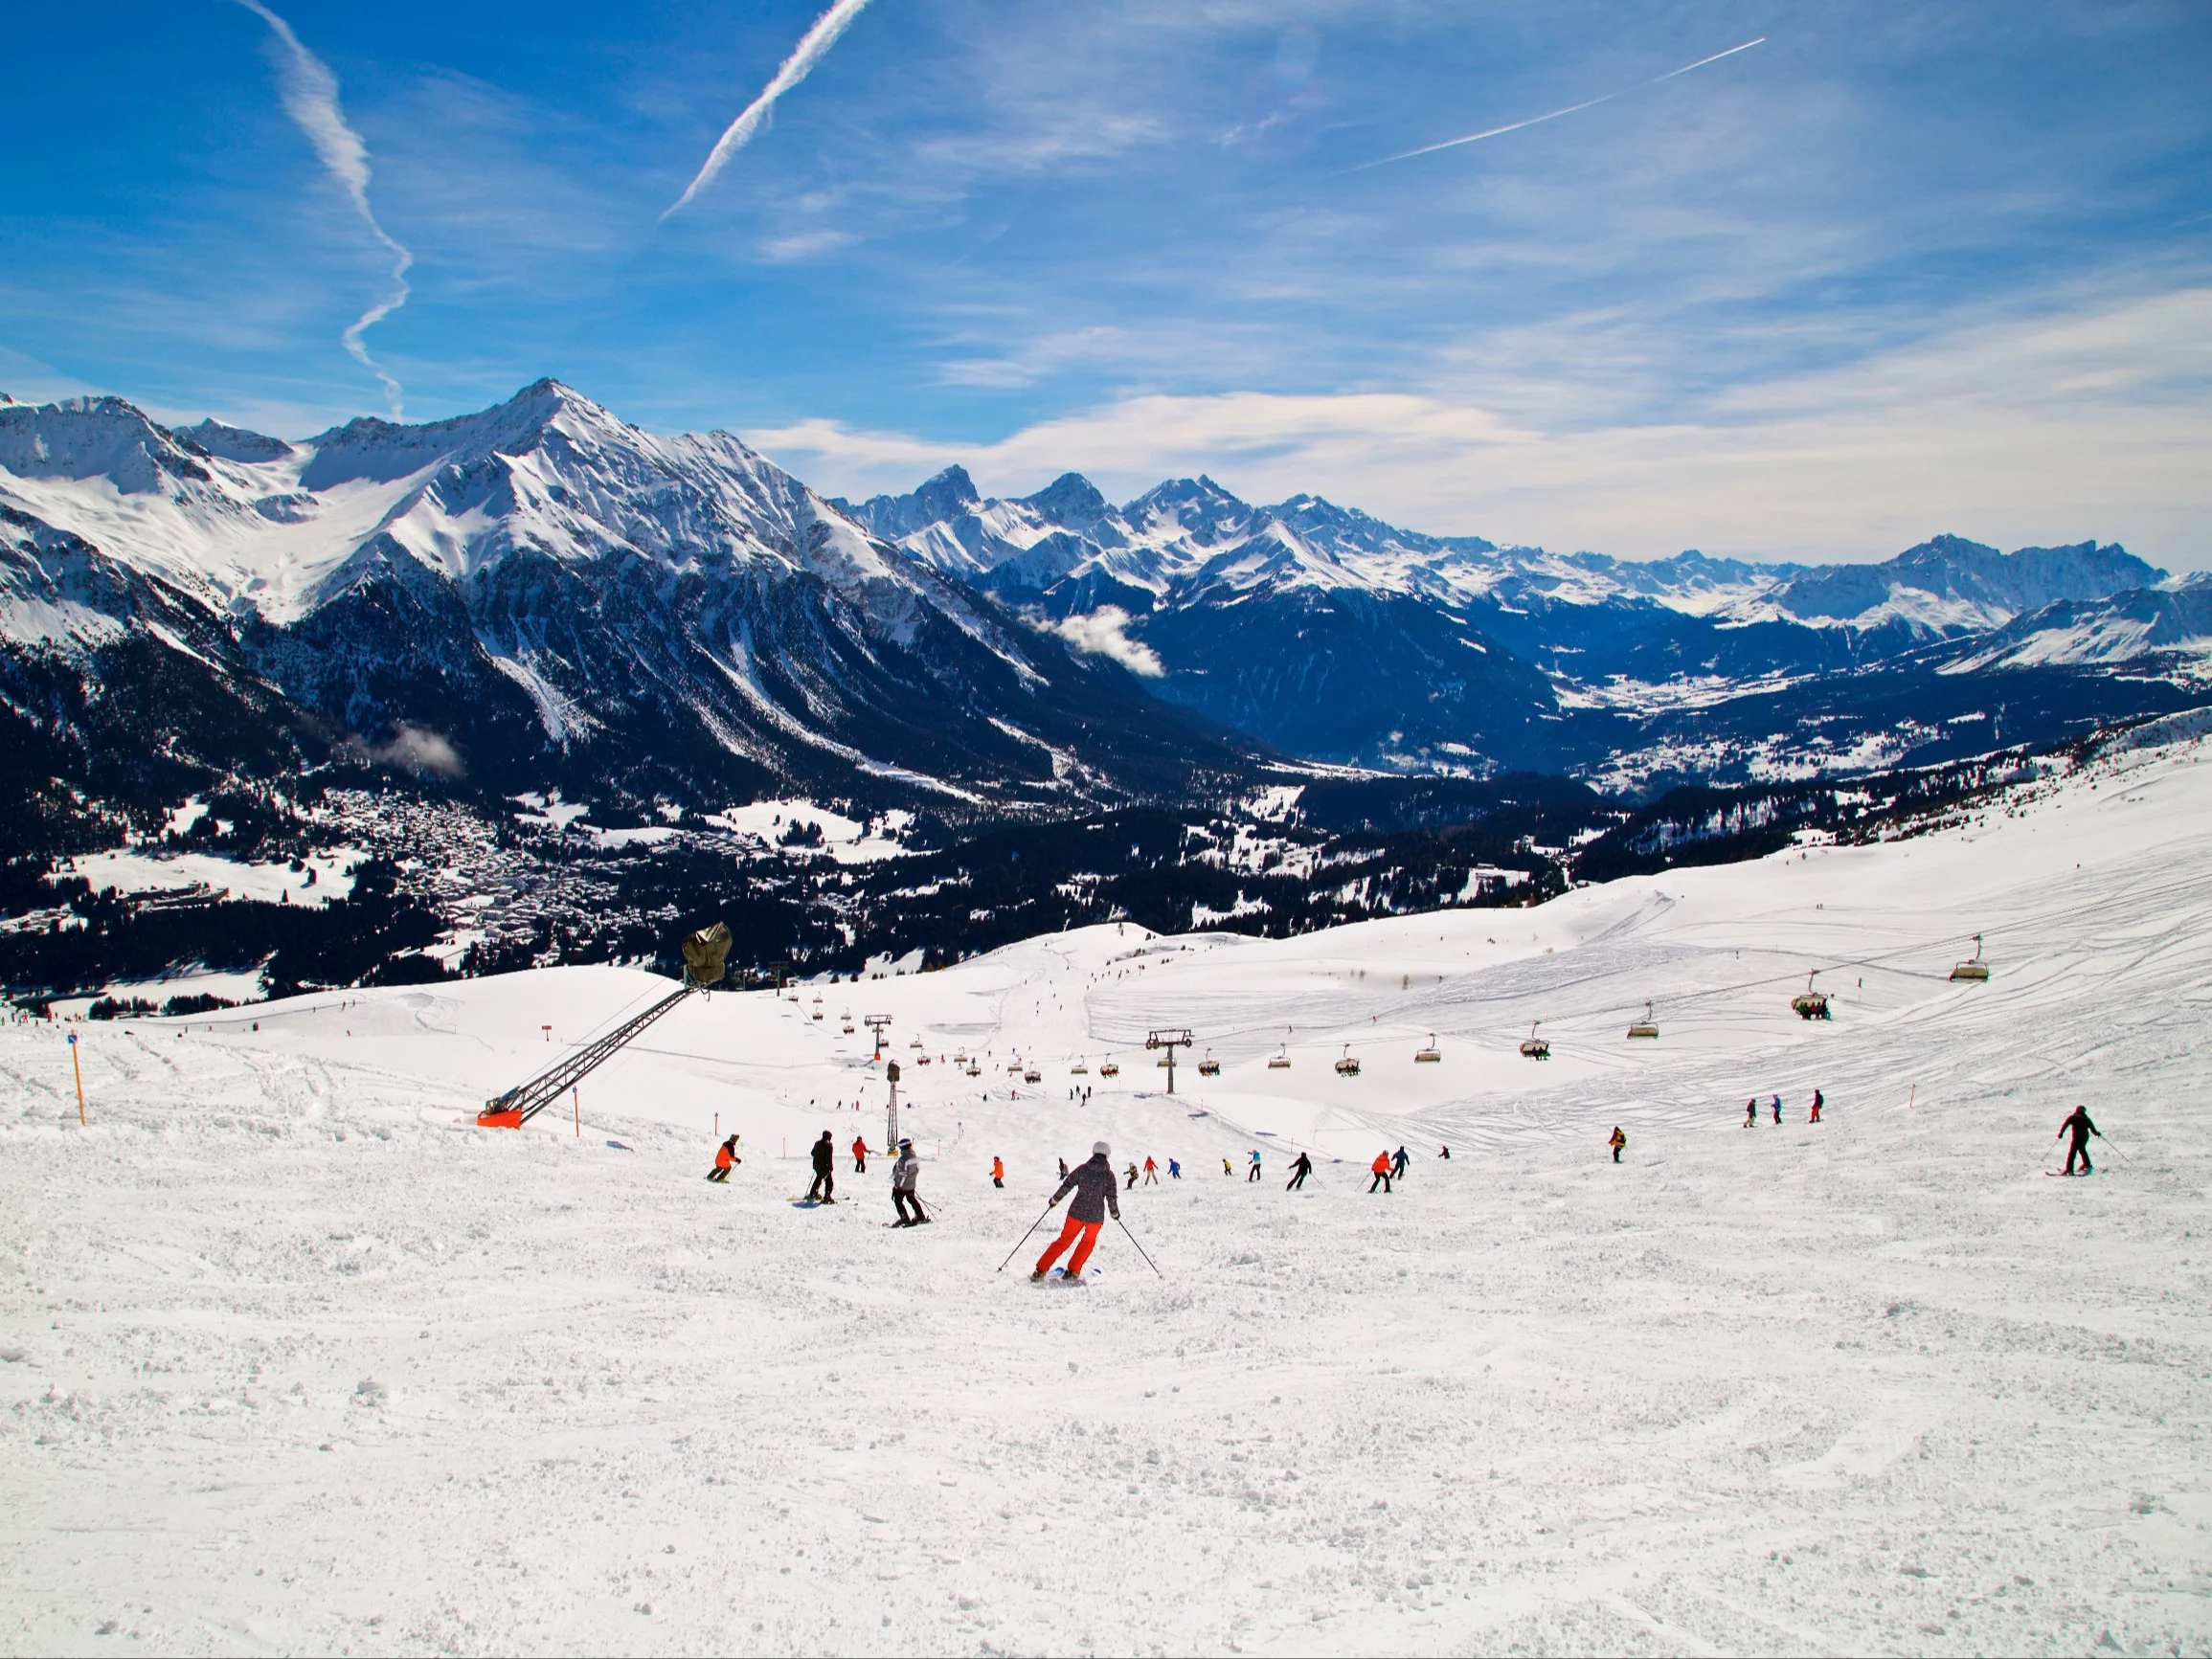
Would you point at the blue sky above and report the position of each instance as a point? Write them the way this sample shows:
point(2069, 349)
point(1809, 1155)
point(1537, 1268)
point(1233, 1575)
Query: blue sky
point(1902, 268)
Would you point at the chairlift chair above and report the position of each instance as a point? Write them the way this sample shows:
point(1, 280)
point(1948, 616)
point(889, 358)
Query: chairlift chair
point(1108, 1068)
point(1346, 1066)
point(1533, 1046)
point(1032, 1075)
point(1647, 1026)
point(1430, 1055)
point(1210, 1067)
point(1279, 1062)
point(1809, 1003)
point(974, 1070)
point(1974, 967)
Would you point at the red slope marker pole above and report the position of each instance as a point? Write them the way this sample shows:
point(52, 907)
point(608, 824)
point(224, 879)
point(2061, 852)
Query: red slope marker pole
point(76, 1065)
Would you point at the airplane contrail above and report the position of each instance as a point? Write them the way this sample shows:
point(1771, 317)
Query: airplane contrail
point(813, 46)
point(310, 92)
point(1516, 126)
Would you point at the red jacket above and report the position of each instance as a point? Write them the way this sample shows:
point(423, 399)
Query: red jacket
point(724, 1158)
point(1382, 1164)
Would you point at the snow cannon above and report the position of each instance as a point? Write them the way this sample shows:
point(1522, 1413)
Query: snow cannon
point(705, 955)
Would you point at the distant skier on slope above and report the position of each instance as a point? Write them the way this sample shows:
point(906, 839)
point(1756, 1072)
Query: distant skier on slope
point(1093, 1183)
point(1819, 1101)
point(999, 1172)
point(1151, 1172)
point(1618, 1141)
point(1382, 1168)
point(905, 1178)
point(725, 1155)
point(1174, 1169)
point(1444, 1153)
point(1751, 1112)
point(860, 1154)
point(1777, 1111)
point(1300, 1170)
point(1399, 1162)
point(2079, 1126)
point(1252, 1170)
point(824, 1172)
point(1132, 1176)
point(1225, 1169)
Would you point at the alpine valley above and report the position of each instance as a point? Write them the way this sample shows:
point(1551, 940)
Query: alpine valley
point(531, 685)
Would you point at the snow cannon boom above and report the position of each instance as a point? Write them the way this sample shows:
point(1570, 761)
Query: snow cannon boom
point(703, 954)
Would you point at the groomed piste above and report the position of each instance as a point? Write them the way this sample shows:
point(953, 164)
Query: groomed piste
point(298, 1357)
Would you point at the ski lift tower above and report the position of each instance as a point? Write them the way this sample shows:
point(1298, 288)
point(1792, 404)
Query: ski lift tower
point(878, 1024)
point(891, 1114)
point(1172, 1040)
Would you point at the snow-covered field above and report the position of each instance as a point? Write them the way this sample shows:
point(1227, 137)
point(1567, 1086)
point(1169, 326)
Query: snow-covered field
point(295, 1357)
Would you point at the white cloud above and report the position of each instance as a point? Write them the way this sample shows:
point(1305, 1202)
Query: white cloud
point(1102, 634)
point(2090, 421)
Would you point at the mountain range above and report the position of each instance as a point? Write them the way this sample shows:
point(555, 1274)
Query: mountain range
point(542, 597)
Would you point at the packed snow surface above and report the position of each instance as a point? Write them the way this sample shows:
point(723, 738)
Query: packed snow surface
point(296, 1358)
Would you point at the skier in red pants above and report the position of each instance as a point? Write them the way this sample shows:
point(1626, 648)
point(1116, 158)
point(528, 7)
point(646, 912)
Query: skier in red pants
point(1096, 1194)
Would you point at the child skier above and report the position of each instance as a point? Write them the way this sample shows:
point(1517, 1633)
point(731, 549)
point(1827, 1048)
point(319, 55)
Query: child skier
point(904, 1176)
point(1618, 1141)
point(1819, 1101)
point(725, 1155)
point(1092, 1181)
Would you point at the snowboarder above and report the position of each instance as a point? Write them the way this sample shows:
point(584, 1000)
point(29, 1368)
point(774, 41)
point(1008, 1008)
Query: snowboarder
point(1252, 1170)
point(905, 1174)
point(1174, 1169)
point(1751, 1112)
point(824, 1172)
point(1300, 1170)
point(1618, 1141)
point(1132, 1178)
point(1777, 1111)
point(860, 1154)
point(999, 1172)
point(1399, 1162)
point(1151, 1172)
point(2079, 1126)
point(1092, 1181)
point(1382, 1168)
point(1819, 1101)
point(725, 1155)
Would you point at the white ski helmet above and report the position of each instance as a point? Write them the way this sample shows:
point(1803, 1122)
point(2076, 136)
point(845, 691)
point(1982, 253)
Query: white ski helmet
point(1100, 1149)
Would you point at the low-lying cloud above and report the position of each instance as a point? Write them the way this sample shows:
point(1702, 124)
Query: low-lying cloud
point(1102, 633)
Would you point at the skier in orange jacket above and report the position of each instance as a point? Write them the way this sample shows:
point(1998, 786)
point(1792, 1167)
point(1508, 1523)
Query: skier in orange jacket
point(1382, 1168)
point(998, 1172)
point(860, 1154)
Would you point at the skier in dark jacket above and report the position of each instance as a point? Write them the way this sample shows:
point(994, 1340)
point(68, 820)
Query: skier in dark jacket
point(1303, 1168)
point(824, 1172)
point(1096, 1195)
point(1777, 1111)
point(1618, 1141)
point(1399, 1162)
point(1751, 1112)
point(2081, 1129)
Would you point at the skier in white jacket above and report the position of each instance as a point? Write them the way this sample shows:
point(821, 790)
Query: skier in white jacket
point(905, 1174)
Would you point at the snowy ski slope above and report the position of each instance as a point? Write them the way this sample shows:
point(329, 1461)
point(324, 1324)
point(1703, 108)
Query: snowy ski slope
point(295, 1357)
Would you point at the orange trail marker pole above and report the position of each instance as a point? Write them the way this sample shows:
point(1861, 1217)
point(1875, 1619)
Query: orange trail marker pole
point(77, 1066)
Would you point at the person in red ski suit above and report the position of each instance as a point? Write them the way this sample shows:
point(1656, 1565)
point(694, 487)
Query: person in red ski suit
point(1096, 1195)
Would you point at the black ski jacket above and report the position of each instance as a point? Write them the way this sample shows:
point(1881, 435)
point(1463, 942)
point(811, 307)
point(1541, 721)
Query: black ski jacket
point(824, 1155)
point(1095, 1190)
point(2079, 1126)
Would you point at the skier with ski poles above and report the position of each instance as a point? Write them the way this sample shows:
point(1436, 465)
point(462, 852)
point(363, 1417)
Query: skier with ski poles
point(905, 1178)
point(1151, 1172)
point(2079, 1126)
point(725, 1155)
point(1303, 1168)
point(1252, 1171)
point(1096, 1195)
point(1618, 1141)
point(860, 1154)
point(1399, 1162)
point(1819, 1101)
point(824, 1172)
point(999, 1172)
point(1382, 1172)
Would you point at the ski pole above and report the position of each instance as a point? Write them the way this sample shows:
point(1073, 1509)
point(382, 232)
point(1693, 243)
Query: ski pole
point(1025, 1238)
point(1148, 1261)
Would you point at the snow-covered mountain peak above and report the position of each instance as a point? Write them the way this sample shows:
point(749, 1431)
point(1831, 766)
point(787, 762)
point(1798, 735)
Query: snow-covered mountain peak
point(80, 439)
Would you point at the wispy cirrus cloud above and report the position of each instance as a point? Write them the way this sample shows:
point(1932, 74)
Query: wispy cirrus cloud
point(310, 92)
point(812, 48)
